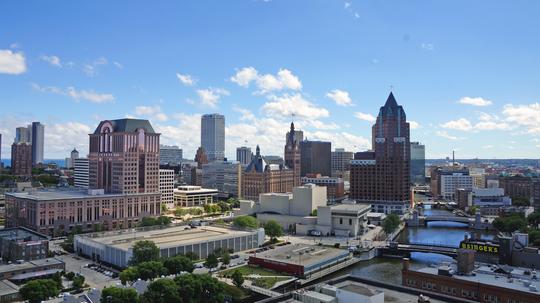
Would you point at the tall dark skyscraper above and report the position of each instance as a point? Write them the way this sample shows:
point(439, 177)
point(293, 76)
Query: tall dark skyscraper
point(292, 153)
point(316, 157)
point(418, 163)
point(38, 142)
point(381, 176)
point(213, 136)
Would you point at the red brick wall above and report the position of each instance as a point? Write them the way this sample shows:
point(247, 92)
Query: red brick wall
point(293, 269)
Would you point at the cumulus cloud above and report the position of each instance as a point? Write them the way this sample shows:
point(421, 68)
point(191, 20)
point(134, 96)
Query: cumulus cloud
point(340, 97)
point(365, 117)
point(459, 124)
point(186, 79)
point(445, 134)
point(288, 105)
point(245, 114)
point(210, 96)
point(52, 60)
point(75, 94)
point(476, 101)
point(526, 116)
point(118, 64)
point(428, 46)
point(13, 63)
point(414, 124)
point(284, 79)
point(154, 112)
point(345, 140)
point(183, 130)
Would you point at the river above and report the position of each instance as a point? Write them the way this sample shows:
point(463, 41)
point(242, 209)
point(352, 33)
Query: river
point(442, 233)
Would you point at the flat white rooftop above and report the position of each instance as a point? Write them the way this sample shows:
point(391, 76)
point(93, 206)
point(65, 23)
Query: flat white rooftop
point(58, 194)
point(164, 237)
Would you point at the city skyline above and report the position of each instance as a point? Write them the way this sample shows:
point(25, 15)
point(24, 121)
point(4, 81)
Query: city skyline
point(332, 70)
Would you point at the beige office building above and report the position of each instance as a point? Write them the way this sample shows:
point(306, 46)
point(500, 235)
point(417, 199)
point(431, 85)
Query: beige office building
point(189, 196)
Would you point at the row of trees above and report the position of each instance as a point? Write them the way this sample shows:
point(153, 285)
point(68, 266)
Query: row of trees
point(42, 289)
point(189, 288)
point(518, 222)
point(271, 228)
point(151, 221)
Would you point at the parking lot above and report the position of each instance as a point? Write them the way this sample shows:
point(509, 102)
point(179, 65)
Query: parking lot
point(94, 278)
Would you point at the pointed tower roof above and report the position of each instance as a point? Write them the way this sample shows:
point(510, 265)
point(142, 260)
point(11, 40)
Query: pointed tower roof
point(391, 101)
point(391, 108)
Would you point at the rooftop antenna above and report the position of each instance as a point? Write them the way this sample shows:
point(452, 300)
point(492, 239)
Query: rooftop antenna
point(391, 87)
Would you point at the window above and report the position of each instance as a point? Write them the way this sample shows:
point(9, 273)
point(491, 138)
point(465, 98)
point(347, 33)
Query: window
point(350, 221)
point(340, 220)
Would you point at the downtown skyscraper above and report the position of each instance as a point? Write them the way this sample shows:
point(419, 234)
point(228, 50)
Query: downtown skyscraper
point(381, 176)
point(213, 136)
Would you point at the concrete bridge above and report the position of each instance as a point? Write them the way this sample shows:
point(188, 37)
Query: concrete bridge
point(395, 249)
point(475, 223)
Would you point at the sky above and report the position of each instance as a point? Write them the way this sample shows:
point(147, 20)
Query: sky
point(466, 72)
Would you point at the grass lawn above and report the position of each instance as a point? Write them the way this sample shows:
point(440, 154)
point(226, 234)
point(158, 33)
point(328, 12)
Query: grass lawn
point(268, 282)
point(250, 270)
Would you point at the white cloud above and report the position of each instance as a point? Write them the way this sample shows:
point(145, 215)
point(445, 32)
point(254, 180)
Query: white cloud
point(340, 97)
point(414, 124)
point(186, 79)
point(246, 115)
point(491, 125)
point(428, 46)
point(118, 64)
point(365, 117)
point(460, 124)
point(527, 116)
point(340, 139)
point(153, 112)
point(77, 95)
point(475, 101)
point(445, 134)
point(347, 5)
point(210, 96)
point(91, 69)
point(318, 124)
point(265, 83)
point(52, 60)
point(12, 63)
point(288, 105)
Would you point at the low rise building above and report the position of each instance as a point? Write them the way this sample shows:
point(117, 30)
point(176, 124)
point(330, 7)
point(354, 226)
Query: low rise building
point(335, 187)
point(481, 283)
point(116, 248)
point(190, 195)
point(19, 243)
point(299, 259)
point(21, 272)
point(54, 212)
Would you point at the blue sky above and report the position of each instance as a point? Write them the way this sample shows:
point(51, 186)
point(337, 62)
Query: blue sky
point(466, 72)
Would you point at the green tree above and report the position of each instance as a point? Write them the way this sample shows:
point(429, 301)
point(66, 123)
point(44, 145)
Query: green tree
point(472, 210)
point(534, 237)
point(534, 218)
point(129, 275)
point(246, 221)
point(211, 261)
point(151, 270)
point(144, 251)
point(226, 258)
point(119, 295)
point(238, 278)
point(390, 223)
point(192, 256)
point(78, 282)
point(234, 203)
point(224, 206)
point(314, 212)
point(510, 223)
point(273, 229)
point(39, 290)
point(199, 288)
point(161, 291)
point(178, 264)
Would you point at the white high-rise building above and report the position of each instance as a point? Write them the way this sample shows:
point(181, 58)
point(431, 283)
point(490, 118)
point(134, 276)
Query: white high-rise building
point(166, 187)
point(70, 162)
point(451, 182)
point(213, 136)
point(170, 154)
point(81, 172)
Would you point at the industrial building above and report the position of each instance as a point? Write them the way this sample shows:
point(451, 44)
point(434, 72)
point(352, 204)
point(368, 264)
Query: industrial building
point(299, 259)
point(18, 244)
point(115, 248)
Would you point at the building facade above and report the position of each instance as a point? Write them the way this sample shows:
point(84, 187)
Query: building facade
point(166, 187)
point(335, 187)
point(418, 163)
point(200, 157)
point(21, 159)
point(170, 154)
point(315, 158)
point(243, 155)
point(124, 157)
point(260, 177)
point(189, 196)
point(381, 177)
point(341, 162)
point(292, 154)
point(224, 176)
point(213, 136)
point(81, 172)
point(451, 182)
point(38, 142)
point(18, 244)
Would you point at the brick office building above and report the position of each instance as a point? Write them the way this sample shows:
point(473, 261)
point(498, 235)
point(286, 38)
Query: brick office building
point(381, 176)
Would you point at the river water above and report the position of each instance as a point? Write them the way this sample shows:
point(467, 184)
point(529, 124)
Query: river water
point(442, 233)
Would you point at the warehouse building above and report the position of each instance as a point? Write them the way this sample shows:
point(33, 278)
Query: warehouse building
point(115, 248)
point(299, 259)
